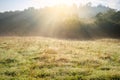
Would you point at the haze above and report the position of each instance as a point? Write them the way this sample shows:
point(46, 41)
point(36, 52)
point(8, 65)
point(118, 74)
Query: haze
point(8, 5)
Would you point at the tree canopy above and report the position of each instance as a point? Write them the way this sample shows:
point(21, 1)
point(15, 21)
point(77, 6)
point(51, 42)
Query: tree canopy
point(83, 22)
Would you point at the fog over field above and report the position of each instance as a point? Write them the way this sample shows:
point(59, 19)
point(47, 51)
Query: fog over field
point(62, 21)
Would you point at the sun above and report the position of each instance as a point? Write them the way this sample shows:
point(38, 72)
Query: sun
point(44, 3)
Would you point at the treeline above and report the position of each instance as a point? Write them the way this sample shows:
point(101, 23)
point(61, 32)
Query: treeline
point(71, 22)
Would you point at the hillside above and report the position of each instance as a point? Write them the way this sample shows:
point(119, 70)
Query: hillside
point(69, 22)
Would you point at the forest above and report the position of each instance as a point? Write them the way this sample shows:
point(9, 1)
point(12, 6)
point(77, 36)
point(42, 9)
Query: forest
point(69, 22)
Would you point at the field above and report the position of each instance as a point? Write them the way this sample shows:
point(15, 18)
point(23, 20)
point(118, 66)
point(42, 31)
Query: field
point(37, 58)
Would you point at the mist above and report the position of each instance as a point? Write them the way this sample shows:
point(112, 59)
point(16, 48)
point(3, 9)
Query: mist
point(62, 21)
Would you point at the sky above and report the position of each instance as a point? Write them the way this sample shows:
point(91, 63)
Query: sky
point(11, 5)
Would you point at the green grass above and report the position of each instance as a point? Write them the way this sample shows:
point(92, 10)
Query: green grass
point(37, 58)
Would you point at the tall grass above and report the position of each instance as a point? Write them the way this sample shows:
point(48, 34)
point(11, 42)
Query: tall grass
point(37, 58)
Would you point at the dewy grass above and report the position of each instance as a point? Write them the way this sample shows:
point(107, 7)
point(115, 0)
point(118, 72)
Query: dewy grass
point(37, 58)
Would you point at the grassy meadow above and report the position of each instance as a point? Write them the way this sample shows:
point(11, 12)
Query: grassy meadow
point(37, 58)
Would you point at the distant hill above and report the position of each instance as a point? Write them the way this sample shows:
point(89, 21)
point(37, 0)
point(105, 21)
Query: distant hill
point(83, 22)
